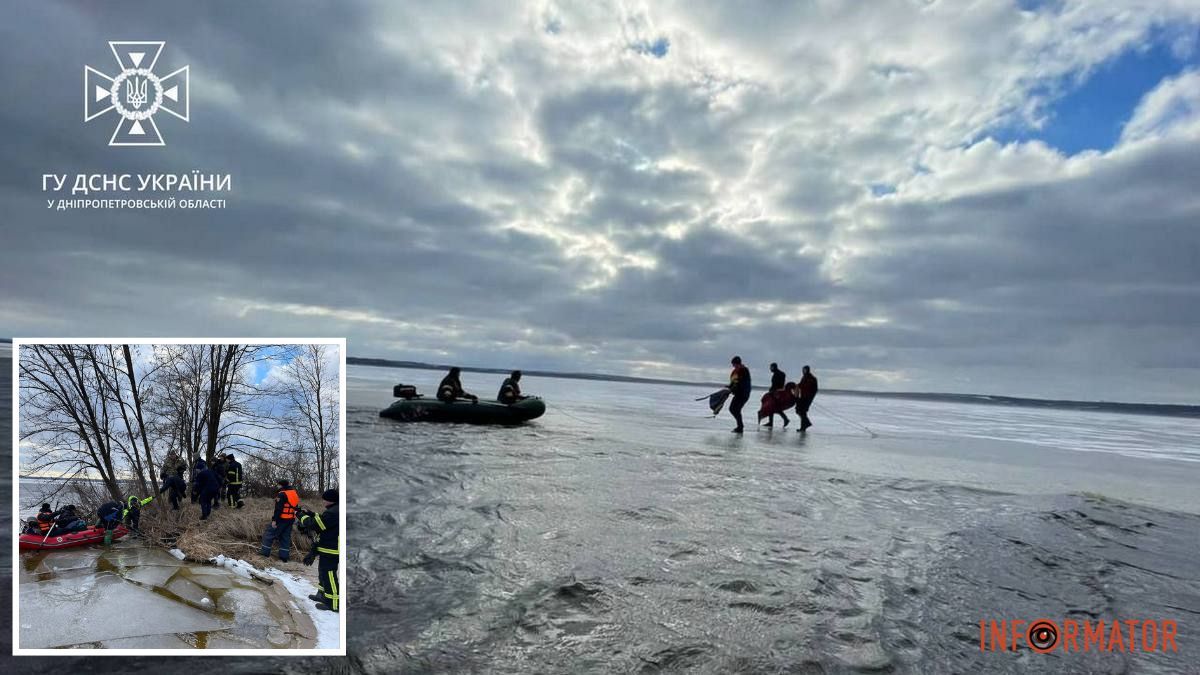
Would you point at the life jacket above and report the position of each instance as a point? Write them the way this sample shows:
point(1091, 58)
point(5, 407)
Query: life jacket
point(44, 520)
point(292, 500)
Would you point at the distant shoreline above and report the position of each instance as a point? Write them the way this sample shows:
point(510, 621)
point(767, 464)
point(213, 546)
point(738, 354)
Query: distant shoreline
point(1160, 409)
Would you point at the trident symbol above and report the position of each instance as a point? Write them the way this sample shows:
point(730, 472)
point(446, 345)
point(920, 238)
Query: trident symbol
point(135, 91)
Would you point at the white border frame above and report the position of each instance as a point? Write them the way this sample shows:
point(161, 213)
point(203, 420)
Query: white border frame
point(17, 343)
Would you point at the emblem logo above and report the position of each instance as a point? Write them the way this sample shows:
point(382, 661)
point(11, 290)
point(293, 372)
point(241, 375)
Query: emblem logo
point(136, 93)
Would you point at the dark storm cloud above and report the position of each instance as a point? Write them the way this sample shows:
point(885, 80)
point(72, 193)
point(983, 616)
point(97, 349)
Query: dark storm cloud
point(459, 183)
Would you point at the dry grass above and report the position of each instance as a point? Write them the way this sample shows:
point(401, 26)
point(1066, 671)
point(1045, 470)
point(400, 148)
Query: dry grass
point(235, 533)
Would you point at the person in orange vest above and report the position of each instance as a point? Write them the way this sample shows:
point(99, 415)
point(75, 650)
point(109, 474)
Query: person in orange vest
point(287, 504)
point(45, 518)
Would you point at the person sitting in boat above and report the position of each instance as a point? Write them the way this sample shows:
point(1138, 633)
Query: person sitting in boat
point(109, 515)
point(510, 391)
point(67, 520)
point(31, 527)
point(45, 518)
point(451, 389)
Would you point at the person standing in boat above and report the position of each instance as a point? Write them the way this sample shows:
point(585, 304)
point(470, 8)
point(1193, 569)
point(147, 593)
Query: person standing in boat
point(778, 382)
point(807, 392)
point(739, 387)
point(451, 389)
point(510, 391)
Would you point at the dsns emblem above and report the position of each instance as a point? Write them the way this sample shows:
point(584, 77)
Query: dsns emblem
point(136, 93)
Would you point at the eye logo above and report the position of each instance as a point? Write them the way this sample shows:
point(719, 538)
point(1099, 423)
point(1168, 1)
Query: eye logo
point(136, 93)
point(1043, 636)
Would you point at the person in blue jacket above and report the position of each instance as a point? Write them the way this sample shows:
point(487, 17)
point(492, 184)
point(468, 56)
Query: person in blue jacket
point(206, 485)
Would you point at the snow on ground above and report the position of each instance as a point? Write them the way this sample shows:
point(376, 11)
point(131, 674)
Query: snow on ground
point(329, 629)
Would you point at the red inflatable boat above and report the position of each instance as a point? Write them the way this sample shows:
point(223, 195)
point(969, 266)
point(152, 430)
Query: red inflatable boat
point(92, 535)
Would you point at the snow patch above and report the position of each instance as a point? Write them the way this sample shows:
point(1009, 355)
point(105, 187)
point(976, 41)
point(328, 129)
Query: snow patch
point(329, 628)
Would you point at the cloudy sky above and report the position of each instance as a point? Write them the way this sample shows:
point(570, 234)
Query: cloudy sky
point(998, 196)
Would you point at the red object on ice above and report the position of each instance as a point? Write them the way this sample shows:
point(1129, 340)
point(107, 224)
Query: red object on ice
point(775, 402)
point(92, 535)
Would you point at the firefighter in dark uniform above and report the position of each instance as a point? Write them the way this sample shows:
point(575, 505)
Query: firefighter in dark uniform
point(233, 481)
point(325, 527)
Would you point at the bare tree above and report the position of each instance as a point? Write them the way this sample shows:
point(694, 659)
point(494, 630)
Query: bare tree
point(311, 390)
point(64, 413)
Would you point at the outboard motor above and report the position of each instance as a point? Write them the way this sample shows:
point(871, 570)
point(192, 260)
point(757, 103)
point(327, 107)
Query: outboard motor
point(405, 391)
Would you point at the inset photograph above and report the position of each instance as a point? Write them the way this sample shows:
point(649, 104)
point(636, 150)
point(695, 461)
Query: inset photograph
point(179, 495)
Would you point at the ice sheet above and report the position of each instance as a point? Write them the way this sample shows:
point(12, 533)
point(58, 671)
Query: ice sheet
point(191, 593)
point(64, 612)
point(212, 581)
point(151, 576)
point(140, 557)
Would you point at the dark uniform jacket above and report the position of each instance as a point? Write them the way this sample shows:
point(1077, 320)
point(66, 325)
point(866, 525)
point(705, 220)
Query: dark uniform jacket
point(808, 388)
point(510, 391)
point(206, 481)
point(175, 484)
point(326, 527)
point(778, 379)
point(233, 472)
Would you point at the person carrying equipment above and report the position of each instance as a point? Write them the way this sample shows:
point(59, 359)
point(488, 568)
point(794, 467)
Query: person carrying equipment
point(739, 386)
point(451, 389)
point(808, 391)
point(206, 486)
point(778, 382)
point(131, 515)
point(325, 527)
point(233, 482)
point(510, 391)
point(176, 485)
point(287, 503)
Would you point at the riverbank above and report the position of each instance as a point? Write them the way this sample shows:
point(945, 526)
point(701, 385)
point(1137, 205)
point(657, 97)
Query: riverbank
point(215, 558)
point(231, 538)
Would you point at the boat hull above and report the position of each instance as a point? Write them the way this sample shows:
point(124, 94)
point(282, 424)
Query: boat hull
point(464, 412)
point(92, 535)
